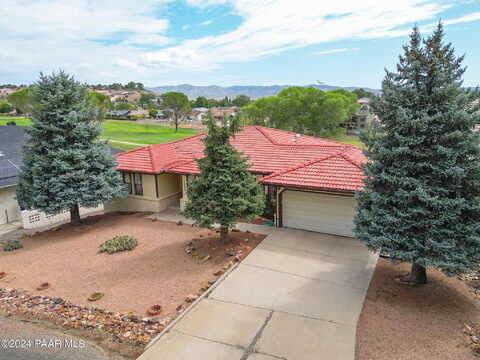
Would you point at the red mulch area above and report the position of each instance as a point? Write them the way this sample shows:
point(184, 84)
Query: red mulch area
point(158, 271)
point(401, 322)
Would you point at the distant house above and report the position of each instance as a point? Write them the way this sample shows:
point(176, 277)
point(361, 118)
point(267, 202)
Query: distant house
point(363, 118)
point(11, 160)
point(198, 114)
point(120, 113)
point(139, 113)
point(219, 113)
point(6, 91)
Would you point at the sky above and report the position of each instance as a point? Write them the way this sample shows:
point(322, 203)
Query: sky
point(225, 42)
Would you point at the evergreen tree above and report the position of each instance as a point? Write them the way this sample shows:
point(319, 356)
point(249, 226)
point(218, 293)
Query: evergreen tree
point(421, 198)
point(225, 190)
point(65, 166)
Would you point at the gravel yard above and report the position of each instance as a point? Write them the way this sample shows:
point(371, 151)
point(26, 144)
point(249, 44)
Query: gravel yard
point(157, 271)
point(416, 323)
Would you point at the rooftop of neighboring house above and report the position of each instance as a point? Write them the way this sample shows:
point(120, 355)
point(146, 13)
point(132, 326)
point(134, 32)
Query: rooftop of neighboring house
point(363, 101)
point(11, 154)
point(286, 158)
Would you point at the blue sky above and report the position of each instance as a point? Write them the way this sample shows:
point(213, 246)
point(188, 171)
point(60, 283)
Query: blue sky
point(225, 42)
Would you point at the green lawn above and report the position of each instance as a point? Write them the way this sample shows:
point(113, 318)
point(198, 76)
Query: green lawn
point(127, 131)
point(149, 133)
point(143, 133)
point(20, 121)
point(350, 139)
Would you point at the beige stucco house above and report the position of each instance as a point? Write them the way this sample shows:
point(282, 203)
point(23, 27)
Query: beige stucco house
point(309, 182)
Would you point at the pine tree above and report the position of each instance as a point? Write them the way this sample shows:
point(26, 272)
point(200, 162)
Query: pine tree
point(65, 166)
point(225, 190)
point(421, 198)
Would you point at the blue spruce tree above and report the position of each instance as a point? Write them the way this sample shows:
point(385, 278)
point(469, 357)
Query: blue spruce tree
point(421, 199)
point(65, 166)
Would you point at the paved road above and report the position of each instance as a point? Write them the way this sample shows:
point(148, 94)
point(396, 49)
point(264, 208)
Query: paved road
point(297, 296)
point(21, 340)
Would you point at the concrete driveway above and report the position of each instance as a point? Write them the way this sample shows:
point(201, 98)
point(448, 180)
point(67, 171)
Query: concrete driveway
point(297, 296)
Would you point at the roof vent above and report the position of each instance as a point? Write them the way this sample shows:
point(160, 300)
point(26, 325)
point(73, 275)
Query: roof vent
point(296, 137)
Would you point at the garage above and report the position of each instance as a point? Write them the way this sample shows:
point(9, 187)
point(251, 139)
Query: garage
point(320, 212)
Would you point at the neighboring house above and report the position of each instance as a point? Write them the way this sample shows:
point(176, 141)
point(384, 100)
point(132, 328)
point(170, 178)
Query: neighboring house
point(309, 182)
point(198, 114)
point(11, 159)
point(362, 119)
point(219, 113)
point(6, 91)
point(121, 113)
point(139, 113)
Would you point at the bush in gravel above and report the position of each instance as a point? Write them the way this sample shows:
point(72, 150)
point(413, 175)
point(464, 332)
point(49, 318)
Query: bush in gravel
point(119, 243)
point(11, 245)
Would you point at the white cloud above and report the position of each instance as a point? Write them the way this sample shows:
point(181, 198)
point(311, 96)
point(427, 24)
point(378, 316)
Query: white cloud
point(334, 51)
point(274, 26)
point(463, 19)
point(108, 40)
point(205, 23)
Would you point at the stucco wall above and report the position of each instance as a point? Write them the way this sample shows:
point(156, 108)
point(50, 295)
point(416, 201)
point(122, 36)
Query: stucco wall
point(169, 192)
point(9, 210)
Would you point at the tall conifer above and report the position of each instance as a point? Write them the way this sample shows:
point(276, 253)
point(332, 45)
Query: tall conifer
point(421, 199)
point(65, 165)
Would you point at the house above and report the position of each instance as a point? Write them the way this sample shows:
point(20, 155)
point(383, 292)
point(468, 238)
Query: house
point(363, 118)
point(7, 91)
point(309, 182)
point(198, 114)
point(11, 160)
point(219, 113)
point(142, 113)
point(120, 113)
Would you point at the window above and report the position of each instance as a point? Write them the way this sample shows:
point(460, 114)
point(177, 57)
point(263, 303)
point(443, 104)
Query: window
point(138, 184)
point(128, 180)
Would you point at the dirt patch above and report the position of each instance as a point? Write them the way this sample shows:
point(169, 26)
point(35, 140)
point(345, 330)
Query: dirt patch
point(415, 323)
point(159, 270)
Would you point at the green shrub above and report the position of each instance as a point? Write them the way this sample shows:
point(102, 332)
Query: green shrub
point(119, 243)
point(11, 245)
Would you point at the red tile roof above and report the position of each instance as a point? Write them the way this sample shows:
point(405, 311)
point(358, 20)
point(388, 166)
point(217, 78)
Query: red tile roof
point(291, 159)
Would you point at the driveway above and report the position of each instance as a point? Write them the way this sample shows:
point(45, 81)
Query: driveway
point(297, 296)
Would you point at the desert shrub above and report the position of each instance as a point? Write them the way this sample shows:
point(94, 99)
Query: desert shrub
point(119, 243)
point(11, 245)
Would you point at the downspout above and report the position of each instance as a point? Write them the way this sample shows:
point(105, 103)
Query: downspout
point(279, 216)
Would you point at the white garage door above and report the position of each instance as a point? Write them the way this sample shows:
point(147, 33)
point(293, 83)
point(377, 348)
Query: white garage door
point(330, 214)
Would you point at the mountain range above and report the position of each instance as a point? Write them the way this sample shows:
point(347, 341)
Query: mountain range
point(253, 91)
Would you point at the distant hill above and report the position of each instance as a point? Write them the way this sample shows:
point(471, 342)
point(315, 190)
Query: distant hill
point(255, 92)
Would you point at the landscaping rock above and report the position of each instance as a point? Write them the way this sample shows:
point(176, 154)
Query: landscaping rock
point(191, 298)
point(123, 327)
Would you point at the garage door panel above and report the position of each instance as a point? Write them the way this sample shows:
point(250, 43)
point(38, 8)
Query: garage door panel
point(331, 214)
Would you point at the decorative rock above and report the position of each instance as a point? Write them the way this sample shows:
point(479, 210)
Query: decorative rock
point(191, 298)
point(124, 327)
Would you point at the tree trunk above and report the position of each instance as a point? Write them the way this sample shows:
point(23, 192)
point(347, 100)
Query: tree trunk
point(75, 215)
point(175, 116)
point(418, 274)
point(223, 234)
